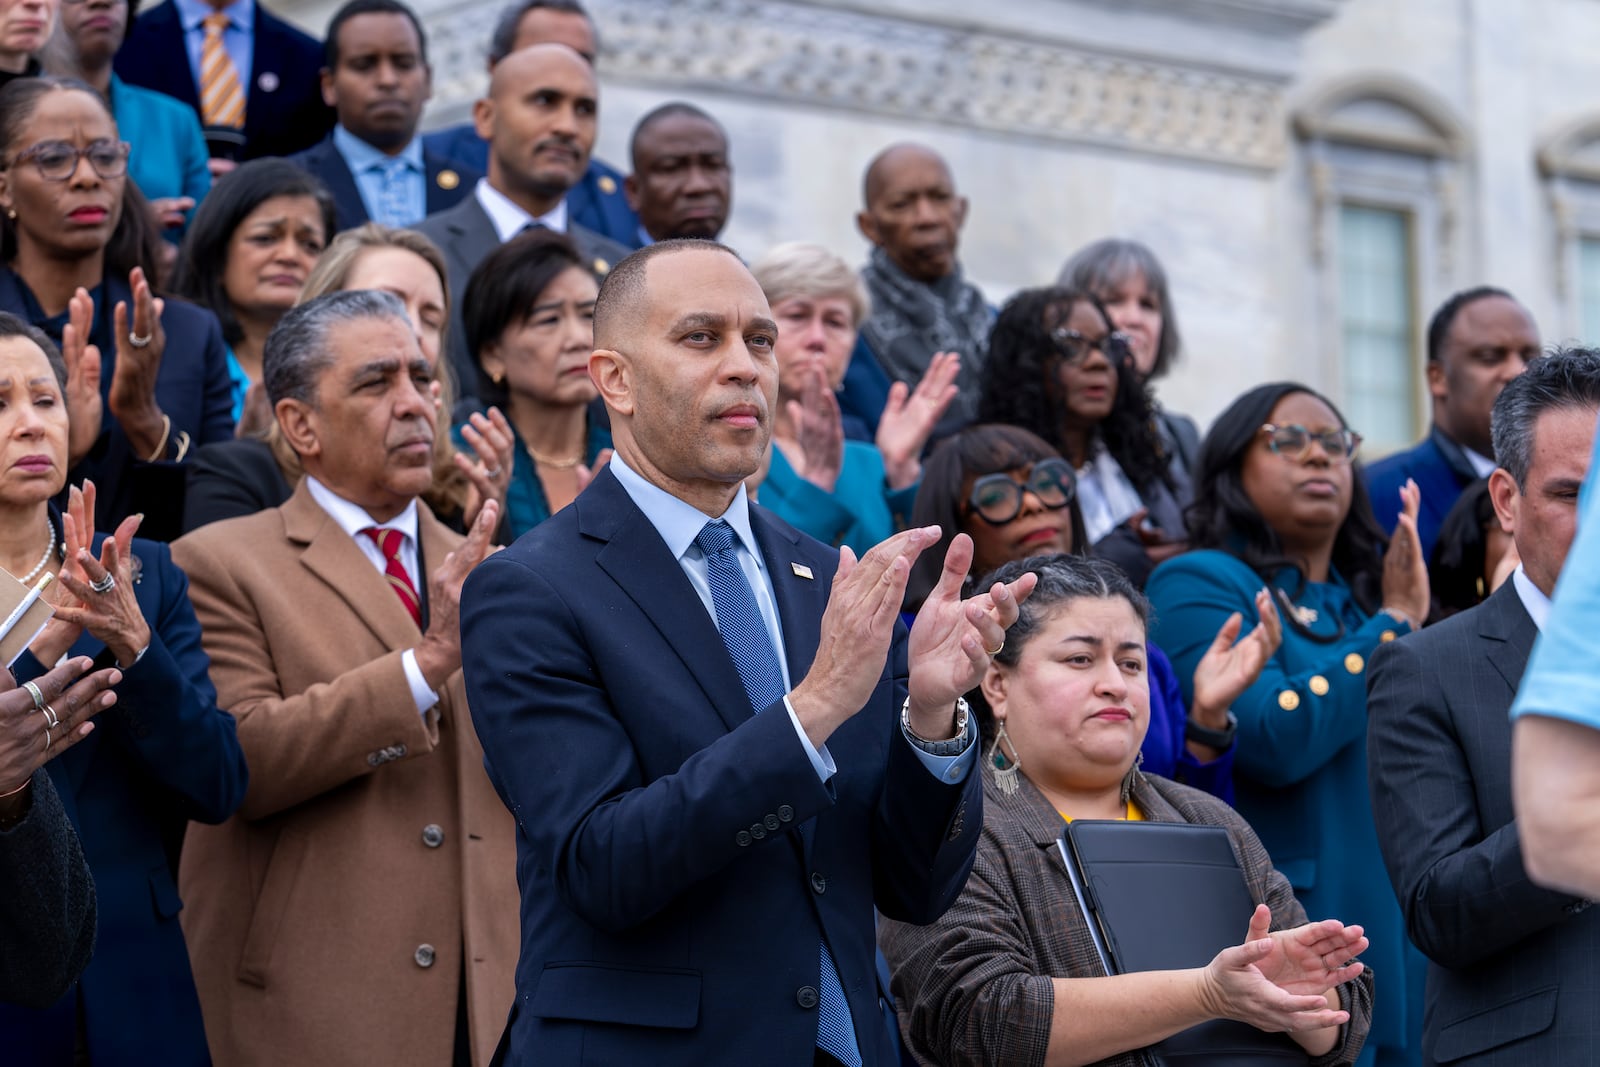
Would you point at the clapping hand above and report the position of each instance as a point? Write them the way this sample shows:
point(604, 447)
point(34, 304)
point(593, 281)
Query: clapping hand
point(1278, 981)
point(819, 431)
point(439, 653)
point(494, 449)
point(141, 342)
point(1406, 592)
point(1231, 665)
point(910, 416)
point(101, 599)
point(27, 740)
point(85, 410)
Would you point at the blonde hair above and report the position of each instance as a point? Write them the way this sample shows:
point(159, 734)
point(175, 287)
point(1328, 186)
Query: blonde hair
point(798, 269)
point(333, 268)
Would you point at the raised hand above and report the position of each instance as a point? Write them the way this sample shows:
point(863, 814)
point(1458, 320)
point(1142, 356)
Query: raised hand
point(439, 653)
point(171, 211)
point(141, 342)
point(103, 600)
point(494, 449)
point(909, 418)
point(819, 431)
point(1230, 665)
point(27, 740)
point(85, 409)
point(1278, 981)
point(1406, 592)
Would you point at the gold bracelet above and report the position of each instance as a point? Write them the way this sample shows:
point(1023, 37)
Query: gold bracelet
point(166, 430)
point(18, 789)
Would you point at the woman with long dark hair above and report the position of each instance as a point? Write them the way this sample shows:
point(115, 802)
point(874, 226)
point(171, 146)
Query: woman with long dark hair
point(1057, 368)
point(1280, 502)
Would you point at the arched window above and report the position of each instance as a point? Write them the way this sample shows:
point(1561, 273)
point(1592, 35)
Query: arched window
point(1569, 163)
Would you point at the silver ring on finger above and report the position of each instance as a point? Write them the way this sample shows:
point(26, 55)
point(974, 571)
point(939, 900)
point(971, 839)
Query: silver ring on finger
point(492, 472)
point(47, 738)
point(51, 719)
point(105, 584)
point(140, 342)
point(38, 697)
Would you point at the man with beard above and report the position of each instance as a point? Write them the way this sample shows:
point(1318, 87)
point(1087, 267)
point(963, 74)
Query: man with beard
point(539, 119)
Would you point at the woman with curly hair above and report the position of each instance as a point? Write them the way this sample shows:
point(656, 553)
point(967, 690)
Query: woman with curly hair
point(1057, 368)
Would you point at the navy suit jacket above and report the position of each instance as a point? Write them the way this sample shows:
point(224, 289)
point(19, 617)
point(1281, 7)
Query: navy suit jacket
point(1515, 965)
point(278, 121)
point(192, 387)
point(1440, 478)
point(596, 203)
point(446, 182)
point(679, 858)
point(162, 755)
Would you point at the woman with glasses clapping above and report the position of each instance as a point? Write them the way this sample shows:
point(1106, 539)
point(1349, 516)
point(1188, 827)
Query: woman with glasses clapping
point(1280, 499)
point(79, 249)
point(1057, 368)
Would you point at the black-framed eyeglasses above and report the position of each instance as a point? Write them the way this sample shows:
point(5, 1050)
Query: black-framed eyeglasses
point(1075, 347)
point(57, 161)
point(1294, 441)
point(997, 498)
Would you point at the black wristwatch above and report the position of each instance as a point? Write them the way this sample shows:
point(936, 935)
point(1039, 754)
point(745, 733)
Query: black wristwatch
point(1218, 739)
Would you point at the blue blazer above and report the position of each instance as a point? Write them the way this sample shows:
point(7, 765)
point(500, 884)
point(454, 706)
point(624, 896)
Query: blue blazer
point(162, 755)
point(596, 203)
point(278, 121)
point(446, 182)
point(1300, 760)
point(679, 858)
point(169, 151)
point(192, 387)
point(1440, 480)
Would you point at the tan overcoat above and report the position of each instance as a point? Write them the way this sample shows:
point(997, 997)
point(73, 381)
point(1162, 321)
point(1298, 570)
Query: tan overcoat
point(327, 920)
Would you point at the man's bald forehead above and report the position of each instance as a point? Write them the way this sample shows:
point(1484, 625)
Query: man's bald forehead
point(881, 171)
point(623, 306)
point(522, 68)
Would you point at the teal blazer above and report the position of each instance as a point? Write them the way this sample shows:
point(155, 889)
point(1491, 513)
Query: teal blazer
point(861, 511)
point(526, 506)
point(1300, 760)
point(169, 152)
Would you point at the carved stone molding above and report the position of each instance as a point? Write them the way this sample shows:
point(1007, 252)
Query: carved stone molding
point(904, 67)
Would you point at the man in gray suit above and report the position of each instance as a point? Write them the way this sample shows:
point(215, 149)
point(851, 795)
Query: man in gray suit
point(1515, 966)
point(539, 119)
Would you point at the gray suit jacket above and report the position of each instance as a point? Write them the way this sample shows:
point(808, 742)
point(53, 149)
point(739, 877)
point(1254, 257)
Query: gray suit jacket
point(465, 235)
point(1516, 968)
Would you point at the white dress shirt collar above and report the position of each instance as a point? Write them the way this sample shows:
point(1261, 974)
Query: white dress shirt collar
point(1482, 464)
point(510, 219)
point(1533, 599)
point(353, 518)
point(680, 522)
point(192, 12)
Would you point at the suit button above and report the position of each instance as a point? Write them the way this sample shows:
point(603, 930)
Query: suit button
point(432, 835)
point(772, 822)
point(423, 955)
point(399, 750)
point(757, 831)
point(819, 884)
point(742, 838)
point(373, 759)
point(806, 997)
point(785, 813)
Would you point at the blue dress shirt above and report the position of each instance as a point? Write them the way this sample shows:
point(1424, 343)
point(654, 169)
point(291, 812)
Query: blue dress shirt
point(238, 40)
point(393, 188)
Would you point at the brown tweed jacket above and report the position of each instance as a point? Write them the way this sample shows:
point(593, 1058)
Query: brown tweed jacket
point(975, 987)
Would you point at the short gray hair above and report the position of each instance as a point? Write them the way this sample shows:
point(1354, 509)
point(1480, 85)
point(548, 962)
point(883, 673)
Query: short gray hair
point(1564, 378)
point(796, 268)
point(1061, 578)
point(298, 349)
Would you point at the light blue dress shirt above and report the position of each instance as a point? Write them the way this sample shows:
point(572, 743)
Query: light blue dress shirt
point(679, 523)
point(238, 40)
point(393, 188)
point(1563, 676)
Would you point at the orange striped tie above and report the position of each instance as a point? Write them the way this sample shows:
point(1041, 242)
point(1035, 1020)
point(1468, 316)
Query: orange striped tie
point(221, 96)
point(389, 543)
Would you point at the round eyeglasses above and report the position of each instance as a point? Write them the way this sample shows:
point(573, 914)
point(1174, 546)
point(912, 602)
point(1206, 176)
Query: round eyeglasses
point(1294, 441)
point(997, 498)
point(57, 161)
point(1075, 347)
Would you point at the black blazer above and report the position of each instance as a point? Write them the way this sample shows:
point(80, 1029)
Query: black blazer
point(1514, 966)
point(47, 924)
point(284, 112)
point(447, 183)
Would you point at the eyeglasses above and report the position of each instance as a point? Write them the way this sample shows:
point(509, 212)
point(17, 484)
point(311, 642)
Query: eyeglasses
point(1294, 441)
point(57, 161)
point(1074, 346)
point(997, 498)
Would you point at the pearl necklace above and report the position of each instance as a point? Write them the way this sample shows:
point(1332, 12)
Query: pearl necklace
point(44, 560)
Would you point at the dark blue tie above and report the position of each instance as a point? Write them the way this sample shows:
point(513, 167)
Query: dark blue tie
point(748, 642)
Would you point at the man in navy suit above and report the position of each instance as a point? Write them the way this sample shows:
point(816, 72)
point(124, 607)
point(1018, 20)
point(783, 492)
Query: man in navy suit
point(721, 748)
point(277, 67)
point(1478, 341)
point(597, 202)
point(377, 81)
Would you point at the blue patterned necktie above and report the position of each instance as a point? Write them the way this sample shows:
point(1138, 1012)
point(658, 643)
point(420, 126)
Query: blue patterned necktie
point(748, 642)
point(393, 204)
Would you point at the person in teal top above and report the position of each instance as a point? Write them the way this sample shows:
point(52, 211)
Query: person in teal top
point(1280, 502)
point(838, 490)
point(528, 314)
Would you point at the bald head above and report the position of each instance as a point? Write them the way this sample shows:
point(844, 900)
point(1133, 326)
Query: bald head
point(911, 210)
point(624, 301)
point(526, 68)
point(539, 119)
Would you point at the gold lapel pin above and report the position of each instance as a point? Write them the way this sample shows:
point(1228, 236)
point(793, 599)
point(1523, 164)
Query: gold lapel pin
point(448, 179)
point(802, 570)
point(607, 184)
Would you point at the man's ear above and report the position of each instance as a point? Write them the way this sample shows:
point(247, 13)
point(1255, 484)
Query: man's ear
point(613, 377)
point(329, 97)
point(962, 203)
point(630, 190)
point(868, 227)
point(483, 117)
point(1437, 386)
point(1507, 499)
point(297, 420)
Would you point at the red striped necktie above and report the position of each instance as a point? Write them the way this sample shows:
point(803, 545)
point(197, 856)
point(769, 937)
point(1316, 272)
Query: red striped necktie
point(389, 543)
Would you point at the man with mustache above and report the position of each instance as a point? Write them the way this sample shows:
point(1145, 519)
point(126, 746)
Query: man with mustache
point(539, 119)
point(361, 907)
point(377, 80)
point(722, 749)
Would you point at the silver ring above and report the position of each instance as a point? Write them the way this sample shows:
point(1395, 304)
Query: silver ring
point(104, 585)
point(140, 342)
point(47, 739)
point(38, 697)
point(495, 473)
point(52, 720)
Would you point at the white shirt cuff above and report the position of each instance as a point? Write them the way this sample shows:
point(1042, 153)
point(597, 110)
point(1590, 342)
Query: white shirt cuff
point(821, 762)
point(421, 692)
point(949, 769)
